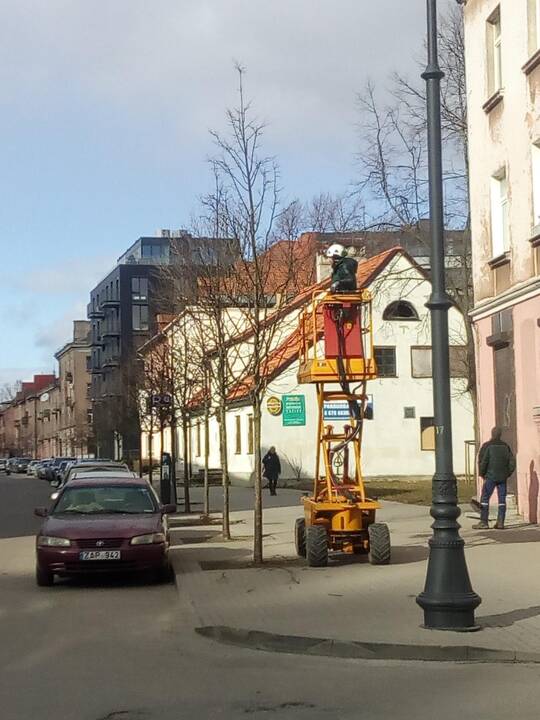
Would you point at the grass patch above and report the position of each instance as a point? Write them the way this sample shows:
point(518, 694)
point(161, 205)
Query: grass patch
point(414, 492)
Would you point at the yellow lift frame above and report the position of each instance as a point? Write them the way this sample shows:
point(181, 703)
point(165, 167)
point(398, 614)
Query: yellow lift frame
point(338, 515)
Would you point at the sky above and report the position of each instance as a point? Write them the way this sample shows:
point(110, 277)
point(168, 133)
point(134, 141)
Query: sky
point(105, 112)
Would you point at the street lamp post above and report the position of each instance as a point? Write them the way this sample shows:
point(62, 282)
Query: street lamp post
point(448, 600)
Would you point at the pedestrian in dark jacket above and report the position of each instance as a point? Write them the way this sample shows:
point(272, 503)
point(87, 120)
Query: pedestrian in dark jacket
point(272, 469)
point(496, 463)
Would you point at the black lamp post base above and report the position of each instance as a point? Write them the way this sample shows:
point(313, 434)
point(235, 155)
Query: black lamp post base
point(454, 614)
point(448, 600)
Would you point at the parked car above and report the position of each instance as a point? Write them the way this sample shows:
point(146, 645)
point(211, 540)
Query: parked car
point(87, 467)
point(52, 467)
point(41, 471)
point(83, 472)
point(103, 525)
point(31, 469)
point(21, 464)
point(11, 463)
point(4, 466)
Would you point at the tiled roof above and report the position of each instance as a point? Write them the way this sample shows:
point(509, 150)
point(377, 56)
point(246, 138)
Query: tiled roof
point(280, 358)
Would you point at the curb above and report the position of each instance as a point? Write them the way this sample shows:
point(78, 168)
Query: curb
point(298, 645)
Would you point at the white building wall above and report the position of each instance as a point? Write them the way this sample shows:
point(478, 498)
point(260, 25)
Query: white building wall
point(392, 444)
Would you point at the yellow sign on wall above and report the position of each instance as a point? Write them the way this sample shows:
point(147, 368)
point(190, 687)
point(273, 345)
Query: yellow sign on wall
point(274, 405)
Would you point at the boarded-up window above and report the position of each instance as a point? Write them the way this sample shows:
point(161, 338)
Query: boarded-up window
point(250, 435)
point(238, 434)
point(421, 361)
point(427, 433)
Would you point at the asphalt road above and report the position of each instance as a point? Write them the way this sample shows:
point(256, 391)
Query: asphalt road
point(126, 650)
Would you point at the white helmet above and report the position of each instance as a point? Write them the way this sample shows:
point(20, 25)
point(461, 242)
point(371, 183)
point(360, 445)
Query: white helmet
point(336, 250)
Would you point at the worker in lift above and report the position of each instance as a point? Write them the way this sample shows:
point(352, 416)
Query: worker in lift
point(343, 269)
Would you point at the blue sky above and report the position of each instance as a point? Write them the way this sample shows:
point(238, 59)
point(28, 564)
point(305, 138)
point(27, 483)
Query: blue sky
point(105, 108)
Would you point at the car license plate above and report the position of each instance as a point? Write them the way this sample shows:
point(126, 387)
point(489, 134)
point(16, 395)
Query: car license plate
point(99, 555)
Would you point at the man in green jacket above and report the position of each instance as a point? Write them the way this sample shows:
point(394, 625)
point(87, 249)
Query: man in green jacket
point(496, 463)
point(343, 269)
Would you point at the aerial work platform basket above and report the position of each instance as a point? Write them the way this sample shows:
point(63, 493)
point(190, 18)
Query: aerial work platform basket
point(336, 352)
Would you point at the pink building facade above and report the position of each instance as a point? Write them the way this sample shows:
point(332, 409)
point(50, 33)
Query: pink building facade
point(502, 47)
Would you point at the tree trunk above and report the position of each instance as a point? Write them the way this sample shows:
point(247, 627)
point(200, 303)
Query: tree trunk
point(257, 476)
point(223, 451)
point(206, 504)
point(185, 433)
point(174, 458)
point(150, 448)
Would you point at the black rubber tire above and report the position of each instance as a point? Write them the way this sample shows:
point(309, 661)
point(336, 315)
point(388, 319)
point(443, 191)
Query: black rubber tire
point(44, 578)
point(164, 575)
point(300, 537)
point(379, 544)
point(316, 546)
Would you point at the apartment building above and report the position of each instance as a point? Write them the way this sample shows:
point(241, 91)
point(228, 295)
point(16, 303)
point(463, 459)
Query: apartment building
point(122, 310)
point(502, 45)
point(74, 433)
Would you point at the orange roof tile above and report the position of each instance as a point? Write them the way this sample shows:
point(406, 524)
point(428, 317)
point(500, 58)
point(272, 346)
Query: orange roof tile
point(280, 358)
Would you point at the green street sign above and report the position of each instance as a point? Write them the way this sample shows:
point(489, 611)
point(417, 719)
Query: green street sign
point(294, 410)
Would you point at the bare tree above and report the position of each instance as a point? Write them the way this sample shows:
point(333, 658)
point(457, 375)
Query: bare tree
point(8, 391)
point(394, 174)
point(251, 184)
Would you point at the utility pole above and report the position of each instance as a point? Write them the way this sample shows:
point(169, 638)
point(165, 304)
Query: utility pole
point(448, 600)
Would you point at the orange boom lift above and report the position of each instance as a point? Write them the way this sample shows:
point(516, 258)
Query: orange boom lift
point(338, 516)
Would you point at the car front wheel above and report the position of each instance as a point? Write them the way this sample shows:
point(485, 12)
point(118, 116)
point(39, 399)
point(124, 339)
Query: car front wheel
point(44, 578)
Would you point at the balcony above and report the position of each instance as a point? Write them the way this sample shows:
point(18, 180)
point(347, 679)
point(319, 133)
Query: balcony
point(96, 371)
point(110, 303)
point(94, 313)
point(112, 332)
point(111, 362)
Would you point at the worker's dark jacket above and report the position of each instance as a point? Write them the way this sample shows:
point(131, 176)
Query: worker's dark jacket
point(496, 461)
point(344, 275)
point(272, 466)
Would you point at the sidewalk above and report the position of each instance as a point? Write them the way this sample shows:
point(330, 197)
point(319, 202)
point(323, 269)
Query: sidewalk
point(351, 601)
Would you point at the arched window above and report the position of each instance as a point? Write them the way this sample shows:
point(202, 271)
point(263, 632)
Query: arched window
point(400, 310)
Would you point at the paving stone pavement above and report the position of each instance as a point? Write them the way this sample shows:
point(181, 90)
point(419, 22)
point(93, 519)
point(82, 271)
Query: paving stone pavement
point(350, 600)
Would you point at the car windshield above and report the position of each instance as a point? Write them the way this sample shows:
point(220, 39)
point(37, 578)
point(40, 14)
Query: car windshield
point(105, 499)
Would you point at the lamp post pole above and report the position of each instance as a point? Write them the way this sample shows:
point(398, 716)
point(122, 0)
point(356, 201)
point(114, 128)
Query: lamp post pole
point(448, 600)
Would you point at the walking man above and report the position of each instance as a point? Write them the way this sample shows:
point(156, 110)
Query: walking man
point(496, 463)
point(272, 469)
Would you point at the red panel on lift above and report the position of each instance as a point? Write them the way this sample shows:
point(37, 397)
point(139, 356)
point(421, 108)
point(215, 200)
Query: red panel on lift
point(352, 331)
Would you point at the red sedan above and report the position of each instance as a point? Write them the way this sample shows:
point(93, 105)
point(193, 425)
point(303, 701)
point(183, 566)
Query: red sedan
point(103, 525)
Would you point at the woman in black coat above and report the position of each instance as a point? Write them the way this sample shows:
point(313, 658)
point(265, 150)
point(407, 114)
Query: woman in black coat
point(272, 469)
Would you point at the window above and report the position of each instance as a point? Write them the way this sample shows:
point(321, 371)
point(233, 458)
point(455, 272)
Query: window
point(534, 25)
point(153, 250)
point(238, 434)
point(88, 363)
point(89, 417)
point(88, 390)
point(421, 362)
point(500, 230)
point(494, 52)
point(139, 288)
point(198, 437)
point(427, 433)
point(536, 182)
point(385, 357)
point(400, 310)
point(140, 317)
point(250, 435)
point(409, 413)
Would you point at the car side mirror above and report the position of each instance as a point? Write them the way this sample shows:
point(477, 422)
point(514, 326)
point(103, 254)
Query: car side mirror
point(168, 509)
point(40, 512)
